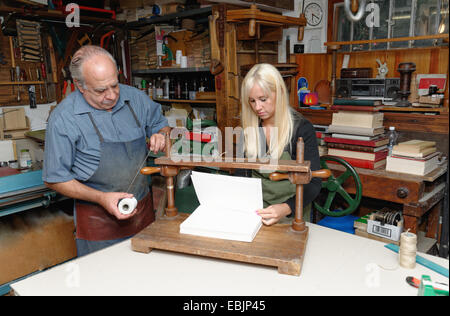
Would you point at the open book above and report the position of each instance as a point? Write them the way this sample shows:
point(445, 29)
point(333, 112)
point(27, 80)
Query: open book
point(227, 207)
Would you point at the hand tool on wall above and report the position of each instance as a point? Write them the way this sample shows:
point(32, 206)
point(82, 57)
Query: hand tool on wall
point(12, 79)
point(44, 76)
point(29, 35)
point(18, 79)
point(39, 78)
point(32, 96)
point(13, 61)
point(67, 82)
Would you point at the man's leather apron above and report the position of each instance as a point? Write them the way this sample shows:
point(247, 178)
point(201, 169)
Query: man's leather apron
point(119, 163)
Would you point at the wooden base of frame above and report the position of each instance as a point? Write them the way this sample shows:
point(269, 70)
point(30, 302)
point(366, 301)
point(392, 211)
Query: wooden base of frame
point(278, 245)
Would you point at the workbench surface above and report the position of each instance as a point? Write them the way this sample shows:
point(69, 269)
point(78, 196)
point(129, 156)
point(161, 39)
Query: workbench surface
point(335, 263)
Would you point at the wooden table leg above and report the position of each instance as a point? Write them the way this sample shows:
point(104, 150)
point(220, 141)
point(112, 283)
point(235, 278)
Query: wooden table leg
point(411, 223)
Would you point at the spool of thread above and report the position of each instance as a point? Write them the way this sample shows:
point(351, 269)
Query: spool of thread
point(408, 250)
point(127, 205)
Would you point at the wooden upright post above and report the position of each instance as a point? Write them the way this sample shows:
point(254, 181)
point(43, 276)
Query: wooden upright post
point(299, 224)
point(170, 210)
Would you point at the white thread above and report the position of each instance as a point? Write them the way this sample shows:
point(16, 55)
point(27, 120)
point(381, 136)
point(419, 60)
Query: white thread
point(408, 249)
point(127, 205)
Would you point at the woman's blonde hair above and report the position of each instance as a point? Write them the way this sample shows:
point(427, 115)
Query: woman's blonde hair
point(270, 81)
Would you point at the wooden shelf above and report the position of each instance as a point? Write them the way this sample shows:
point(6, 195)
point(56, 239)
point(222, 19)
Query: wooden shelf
point(169, 70)
point(262, 52)
point(21, 82)
point(407, 122)
point(170, 17)
point(40, 14)
point(202, 101)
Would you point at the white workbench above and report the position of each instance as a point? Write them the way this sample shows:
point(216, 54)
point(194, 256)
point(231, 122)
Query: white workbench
point(335, 263)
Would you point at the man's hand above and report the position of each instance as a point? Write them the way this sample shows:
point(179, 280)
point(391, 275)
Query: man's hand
point(272, 214)
point(110, 200)
point(157, 142)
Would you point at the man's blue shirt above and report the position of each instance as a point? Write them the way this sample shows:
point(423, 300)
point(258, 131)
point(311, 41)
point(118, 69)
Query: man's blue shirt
point(72, 146)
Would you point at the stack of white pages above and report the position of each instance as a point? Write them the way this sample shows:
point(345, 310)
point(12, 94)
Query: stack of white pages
point(227, 207)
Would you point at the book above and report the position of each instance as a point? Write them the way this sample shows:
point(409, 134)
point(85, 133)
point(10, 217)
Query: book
point(357, 154)
point(358, 119)
point(369, 149)
point(356, 108)
point(361, 163)
point(357, 102)
point(362, 131)
point(374, 142)
point(425, 152)
point(227, 207)
point(414, 146)
point(418, 167)
point(418, 158)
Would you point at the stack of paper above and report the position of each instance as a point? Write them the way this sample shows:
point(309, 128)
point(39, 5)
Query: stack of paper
point(227, 207)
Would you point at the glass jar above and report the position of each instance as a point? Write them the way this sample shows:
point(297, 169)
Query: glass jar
point(25, 159)
point(13, 164)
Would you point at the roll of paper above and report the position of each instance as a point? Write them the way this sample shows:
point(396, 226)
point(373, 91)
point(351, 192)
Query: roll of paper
point(127, 205)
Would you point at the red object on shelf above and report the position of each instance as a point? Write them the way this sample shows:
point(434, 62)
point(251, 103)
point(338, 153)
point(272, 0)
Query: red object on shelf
point(205, 138)
point(113, 13)
point(365, 164)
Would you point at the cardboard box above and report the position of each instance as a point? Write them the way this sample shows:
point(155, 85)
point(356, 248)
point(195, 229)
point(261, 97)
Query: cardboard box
point(387, 231)
point(34, 240)
point(14, 118)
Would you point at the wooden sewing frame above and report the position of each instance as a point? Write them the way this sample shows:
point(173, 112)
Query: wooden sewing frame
point(280, 245)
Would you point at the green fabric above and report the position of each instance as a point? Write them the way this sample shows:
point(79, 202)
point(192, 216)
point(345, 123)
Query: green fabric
point(186, 200)
point(275, 192)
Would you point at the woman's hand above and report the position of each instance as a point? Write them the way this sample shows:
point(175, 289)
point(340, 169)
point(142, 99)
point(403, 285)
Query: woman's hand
point(272, 214)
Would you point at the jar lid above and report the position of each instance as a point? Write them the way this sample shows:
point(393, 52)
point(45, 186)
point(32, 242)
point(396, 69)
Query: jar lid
point(24, 150)
point(12, 161)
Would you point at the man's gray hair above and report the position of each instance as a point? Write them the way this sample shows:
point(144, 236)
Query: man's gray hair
point(83, 54)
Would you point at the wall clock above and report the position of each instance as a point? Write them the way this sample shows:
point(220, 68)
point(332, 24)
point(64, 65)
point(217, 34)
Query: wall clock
point(314, 14)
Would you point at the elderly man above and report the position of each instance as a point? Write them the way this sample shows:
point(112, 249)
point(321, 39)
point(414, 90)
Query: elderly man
point(95, 144)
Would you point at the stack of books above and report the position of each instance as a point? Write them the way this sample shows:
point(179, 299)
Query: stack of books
point(321, 133)
point(416, 157)
point(358, 138)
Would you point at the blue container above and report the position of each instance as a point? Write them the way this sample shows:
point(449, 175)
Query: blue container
point(344, 223)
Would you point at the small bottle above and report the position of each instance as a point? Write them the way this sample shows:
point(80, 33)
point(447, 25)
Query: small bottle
point(150, 90)
point(25, 159)
point(159, 88)
point(154, 89)
point(393, 137)
point(166, 84)
point(144, 85)
point(185, 92)
point(201, 88)
point(193, 90)
point(178, 89)
point(172, 89)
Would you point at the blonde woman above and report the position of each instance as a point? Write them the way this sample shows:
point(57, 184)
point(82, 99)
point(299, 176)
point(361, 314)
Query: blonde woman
point(271, 129)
